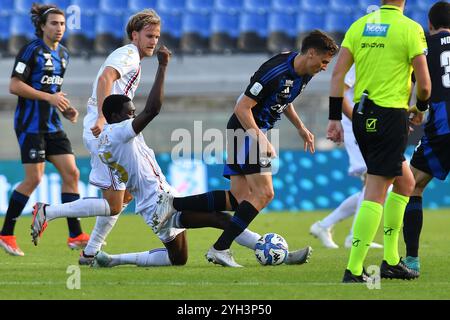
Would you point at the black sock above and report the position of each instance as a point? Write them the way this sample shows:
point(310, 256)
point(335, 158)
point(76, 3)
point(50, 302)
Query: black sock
point(73, 223)
point(206, 202)
point(233, 201)
point(17, 202)
point(244, 215)
point(412, 225)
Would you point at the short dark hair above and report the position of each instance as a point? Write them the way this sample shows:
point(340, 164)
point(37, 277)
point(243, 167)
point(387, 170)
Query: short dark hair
point(439, 15)
point(39, 15)
point(321, 42)
point(113, 104)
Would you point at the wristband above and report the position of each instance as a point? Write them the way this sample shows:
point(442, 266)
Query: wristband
point(335, 111)
point(422, 105)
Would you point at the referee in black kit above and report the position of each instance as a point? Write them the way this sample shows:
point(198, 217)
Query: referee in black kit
point(385, 47)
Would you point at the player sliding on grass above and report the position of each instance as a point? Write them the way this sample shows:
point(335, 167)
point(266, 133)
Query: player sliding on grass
point(123, 149)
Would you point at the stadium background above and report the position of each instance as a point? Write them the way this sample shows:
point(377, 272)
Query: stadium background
point(217, 46)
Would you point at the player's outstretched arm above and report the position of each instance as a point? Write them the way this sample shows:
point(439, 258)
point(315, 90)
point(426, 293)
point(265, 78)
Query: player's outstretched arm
point(155, 98)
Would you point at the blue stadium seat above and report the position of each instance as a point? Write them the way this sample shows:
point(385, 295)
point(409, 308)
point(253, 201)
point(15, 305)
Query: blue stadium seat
point(282, 28)
point(420, 17)
point(80, 41)
point(306, 22)
point(171, 30)
point(290, 6)
point(24, 6)
point(424, 5)
point(231, 6)
point(62, 4)
point(337, 24)
point(201, 6)
point(4, 33)
point(110, 31)
point(174, 6)
point(87, 6)
point(6, 7)
point(139, 5)
point(364, 4)
point(116, 7)
point(315, 6)
point(252, 31)
point(196, 28)
point(21, 31)
point(224, 31)
point(260, 6)
point(344, 6)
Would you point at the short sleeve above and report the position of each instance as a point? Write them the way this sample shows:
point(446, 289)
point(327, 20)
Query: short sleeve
point(348, 40)
point(417, 43)
point(124, 60)
point(24, 62)
point(258, 90)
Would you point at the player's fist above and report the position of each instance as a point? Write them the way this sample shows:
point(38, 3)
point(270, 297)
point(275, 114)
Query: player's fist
point(71, 114)
point(163, 55)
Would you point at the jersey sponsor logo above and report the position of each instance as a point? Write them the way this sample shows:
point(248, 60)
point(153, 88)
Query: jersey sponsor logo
point(365, 45)
point(279, 108)
point(20, 67)
point(52, 80)
point(256, 88)
point(376, 30)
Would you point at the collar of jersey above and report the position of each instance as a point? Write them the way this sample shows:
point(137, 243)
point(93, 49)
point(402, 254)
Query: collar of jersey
point(391, 7)
point(42, 42)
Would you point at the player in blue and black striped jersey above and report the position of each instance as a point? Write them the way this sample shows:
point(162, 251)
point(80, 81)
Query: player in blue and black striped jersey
point(36, 79)
point(271, 91)
point(431, 158)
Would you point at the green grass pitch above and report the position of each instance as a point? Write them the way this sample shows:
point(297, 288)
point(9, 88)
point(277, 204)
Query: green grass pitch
point(41, 274)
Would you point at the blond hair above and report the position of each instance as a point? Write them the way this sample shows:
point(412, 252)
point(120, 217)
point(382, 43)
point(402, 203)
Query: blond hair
point(138, 21)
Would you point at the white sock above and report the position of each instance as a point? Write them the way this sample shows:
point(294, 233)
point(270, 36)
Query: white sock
point(152, 258)
point(346, 209)
point(360, 200)
point(78, 209)
point(248, 239)
point(103, 226)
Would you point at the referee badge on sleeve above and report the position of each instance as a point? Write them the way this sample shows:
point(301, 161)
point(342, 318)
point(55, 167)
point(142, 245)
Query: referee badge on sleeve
point(20, 67)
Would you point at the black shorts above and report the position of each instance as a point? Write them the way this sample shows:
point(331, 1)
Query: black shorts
point(243, 156)
point(432, 156)
point(382, 136)
point(36, 148)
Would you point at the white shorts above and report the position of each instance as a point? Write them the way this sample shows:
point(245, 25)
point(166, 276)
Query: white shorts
point(101, 175)
point(357, 166)
point(168, 232)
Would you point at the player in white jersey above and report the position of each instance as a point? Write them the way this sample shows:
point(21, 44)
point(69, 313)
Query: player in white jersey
point(357, 168)
point(133, 164)
point(119, 74)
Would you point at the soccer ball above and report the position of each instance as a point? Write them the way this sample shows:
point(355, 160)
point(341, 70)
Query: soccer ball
point(271, 249)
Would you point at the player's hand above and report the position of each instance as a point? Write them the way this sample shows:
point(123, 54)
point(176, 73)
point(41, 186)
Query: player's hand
point(266, 149)
point(60, 101)
point(335, 132)
point(71, 114)
point(415, 116)
point(98, 126)
point(308, 139)
point(163, 55)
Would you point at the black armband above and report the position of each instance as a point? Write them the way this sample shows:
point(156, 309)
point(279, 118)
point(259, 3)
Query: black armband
point(335, 112)
point(422, 105)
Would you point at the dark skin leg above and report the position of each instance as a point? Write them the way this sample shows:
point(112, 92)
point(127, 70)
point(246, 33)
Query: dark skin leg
point(178, 248)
